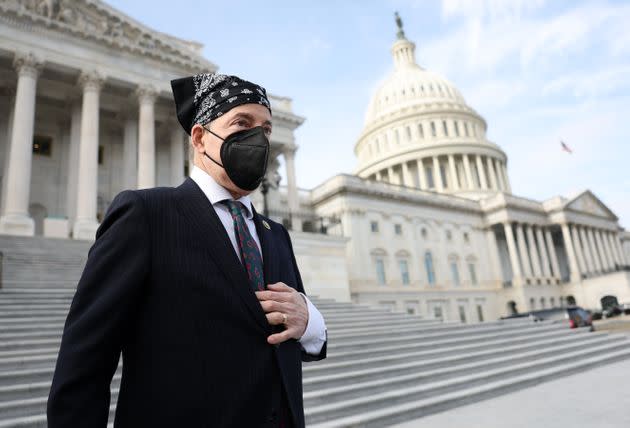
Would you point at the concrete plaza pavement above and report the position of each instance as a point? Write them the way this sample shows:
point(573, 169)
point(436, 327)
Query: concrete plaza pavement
point(597, 398)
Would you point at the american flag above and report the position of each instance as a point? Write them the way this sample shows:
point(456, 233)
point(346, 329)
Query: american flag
point(565, 147)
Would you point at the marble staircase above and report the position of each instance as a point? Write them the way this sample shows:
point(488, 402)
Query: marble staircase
point(382, 368)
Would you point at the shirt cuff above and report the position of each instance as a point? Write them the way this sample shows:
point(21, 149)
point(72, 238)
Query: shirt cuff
point(314, 336)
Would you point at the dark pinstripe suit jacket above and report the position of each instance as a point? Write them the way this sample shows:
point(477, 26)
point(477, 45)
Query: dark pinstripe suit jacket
point(163, 285)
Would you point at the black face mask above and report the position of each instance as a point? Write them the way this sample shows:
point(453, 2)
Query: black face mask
point(244, 155)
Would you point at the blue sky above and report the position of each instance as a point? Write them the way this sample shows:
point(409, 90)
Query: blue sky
point(537, 71)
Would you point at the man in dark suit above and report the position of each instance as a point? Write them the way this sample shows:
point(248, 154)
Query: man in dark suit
point(200, 293)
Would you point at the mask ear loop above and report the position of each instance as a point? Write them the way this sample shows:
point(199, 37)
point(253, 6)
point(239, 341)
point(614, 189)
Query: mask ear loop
point(205, 153)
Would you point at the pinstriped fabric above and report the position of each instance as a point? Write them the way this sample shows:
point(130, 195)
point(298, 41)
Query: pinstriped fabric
point(250, 254)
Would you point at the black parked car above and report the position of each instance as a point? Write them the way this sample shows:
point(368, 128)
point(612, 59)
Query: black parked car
point(575, 316)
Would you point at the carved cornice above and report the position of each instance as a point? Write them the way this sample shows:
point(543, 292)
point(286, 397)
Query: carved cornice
point(93, 20)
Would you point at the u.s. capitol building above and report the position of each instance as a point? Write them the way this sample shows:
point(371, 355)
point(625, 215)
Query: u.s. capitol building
point(427, 223)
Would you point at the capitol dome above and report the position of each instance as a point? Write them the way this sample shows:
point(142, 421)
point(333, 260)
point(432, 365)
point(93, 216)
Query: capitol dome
point(419, 132)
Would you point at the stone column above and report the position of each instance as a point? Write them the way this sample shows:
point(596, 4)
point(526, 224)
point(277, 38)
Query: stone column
point(467, 170)
point(493, 175)
point(533, 251)
point(146, 137)
point(578, 249)
point(596, 257)
point(514, 259)
point(495, 261)
point(130, 152)
point(613, 248)
point(624, 258)
point(15, 219)
point(603, 249)
point(497, 170)
point(390, 175)
point(588, 256)
point(522, 250)
point(73, 162)
point(437, 175)
point(422, 176)
point(86, 224)
point(454, 180)
point(555, 269)
point(177, 148)
point(543, 252)
point(407, 179)
point(482, 173)
point(568, 244)
point(292, 191)
point(508, 188)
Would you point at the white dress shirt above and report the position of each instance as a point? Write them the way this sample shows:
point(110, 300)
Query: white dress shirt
point(315, 334)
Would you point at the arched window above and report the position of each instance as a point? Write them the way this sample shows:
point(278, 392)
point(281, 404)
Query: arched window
point(552, 302)
point(433, 130)
point(445, 127)
point(428, 264)
point(532, 303)
point(420, 130)
point(542, 303)
point(456, 128)
point(408, 130)
point(466, 129)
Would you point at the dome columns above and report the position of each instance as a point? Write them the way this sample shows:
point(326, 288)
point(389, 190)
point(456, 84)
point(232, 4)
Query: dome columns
point(450, 173)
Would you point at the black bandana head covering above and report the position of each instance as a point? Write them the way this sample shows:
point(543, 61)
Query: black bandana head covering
point(204, 97)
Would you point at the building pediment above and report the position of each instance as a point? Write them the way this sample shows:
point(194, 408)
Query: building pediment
point(587, 202)
point(96, 21)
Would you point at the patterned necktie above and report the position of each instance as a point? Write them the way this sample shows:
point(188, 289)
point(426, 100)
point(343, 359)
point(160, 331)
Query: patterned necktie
point(250, 255)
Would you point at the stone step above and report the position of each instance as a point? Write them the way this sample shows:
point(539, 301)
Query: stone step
point(408, 410)
point(323, 396)
point(473, 342)
point(357, 373)
point(367, 361)
point(349, 342)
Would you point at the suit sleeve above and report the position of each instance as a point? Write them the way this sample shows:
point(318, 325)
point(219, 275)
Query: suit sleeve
point(110, 286)
point(306, 357)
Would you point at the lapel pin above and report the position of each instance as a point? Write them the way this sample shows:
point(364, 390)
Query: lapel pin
point(266, 224)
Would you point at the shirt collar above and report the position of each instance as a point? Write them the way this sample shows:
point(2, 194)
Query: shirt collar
point(217, 193)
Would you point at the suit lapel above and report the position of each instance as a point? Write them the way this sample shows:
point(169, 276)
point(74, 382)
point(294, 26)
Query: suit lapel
point(194, 204)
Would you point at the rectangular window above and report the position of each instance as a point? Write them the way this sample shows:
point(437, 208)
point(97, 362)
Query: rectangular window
point(466, 129)
point(437, 312)
point(428, 171)
point(421, 130)
point(380, 271)
point(454, 273)
point(433, 131)
point(473, 274)
point(42, 145)
point(480, 313)
point(428, 264)
point(408, 129)
point(374, 226)
point(398, 229)
point(462, 313)
point(445, 128)
point(456, 128)
point(404, 271)
point(443, 175)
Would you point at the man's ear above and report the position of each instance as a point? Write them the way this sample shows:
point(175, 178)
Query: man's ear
point(196, 133)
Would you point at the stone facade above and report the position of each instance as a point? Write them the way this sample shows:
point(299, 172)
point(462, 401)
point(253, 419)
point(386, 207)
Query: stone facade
point(427, 224)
